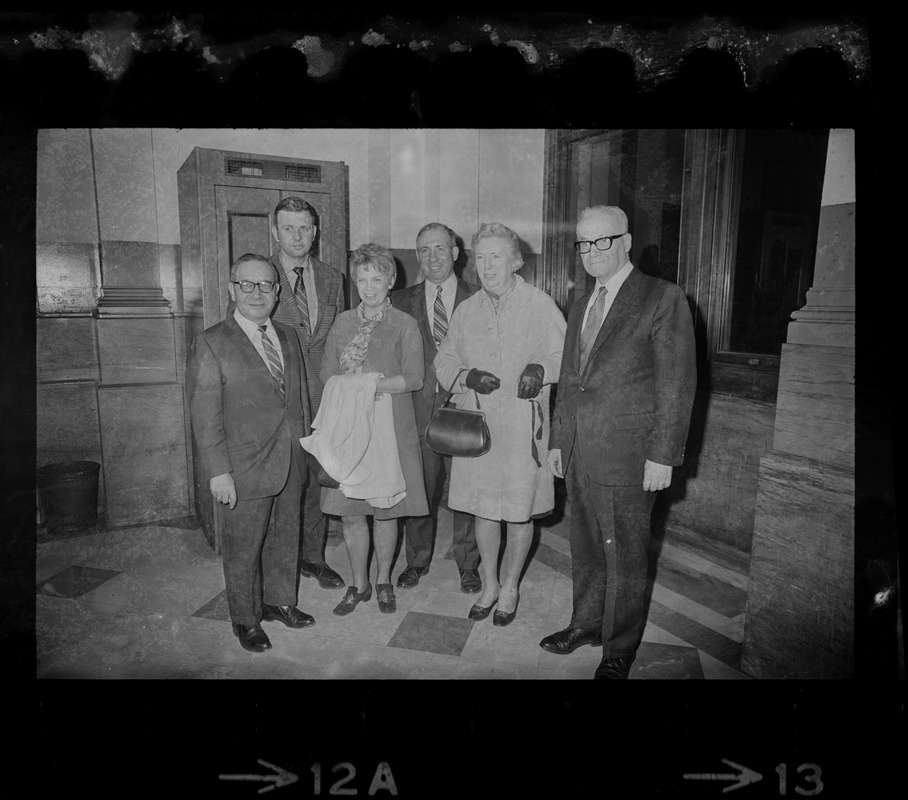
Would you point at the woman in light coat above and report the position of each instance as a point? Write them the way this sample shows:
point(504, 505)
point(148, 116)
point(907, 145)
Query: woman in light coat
point(501, 353)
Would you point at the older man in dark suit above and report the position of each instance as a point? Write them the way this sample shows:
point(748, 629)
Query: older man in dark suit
point(628, 378)
point(312, 295)
point(248, 409)
point(432, 303)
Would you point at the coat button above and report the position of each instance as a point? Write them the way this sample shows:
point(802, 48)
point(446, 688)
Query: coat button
point(582, 389)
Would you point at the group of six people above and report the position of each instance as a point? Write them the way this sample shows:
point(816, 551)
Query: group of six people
point(625, 371)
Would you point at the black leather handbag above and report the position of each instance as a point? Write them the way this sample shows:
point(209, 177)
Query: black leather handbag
point(457, 432)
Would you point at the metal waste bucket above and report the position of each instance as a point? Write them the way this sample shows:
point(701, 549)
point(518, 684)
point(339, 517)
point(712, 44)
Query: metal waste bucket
point(68, 495)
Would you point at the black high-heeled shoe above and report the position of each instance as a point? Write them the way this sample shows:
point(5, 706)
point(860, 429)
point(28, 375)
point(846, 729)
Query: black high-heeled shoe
point(478, 612)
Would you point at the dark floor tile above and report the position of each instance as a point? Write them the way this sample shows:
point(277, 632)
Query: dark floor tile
point(706, 590)
point(45, 534)
point(216, 608)
point(721, 553)
point(701, 637)
point(666, 662)
point(432, 633)
point(74, 581)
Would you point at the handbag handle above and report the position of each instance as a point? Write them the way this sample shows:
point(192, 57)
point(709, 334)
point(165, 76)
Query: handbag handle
point(475, 397)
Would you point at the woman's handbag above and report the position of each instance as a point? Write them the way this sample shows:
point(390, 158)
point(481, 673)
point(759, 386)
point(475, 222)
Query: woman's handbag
point(458, 432)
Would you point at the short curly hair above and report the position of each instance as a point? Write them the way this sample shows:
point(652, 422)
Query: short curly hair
point(495, 230)
point(373, 255)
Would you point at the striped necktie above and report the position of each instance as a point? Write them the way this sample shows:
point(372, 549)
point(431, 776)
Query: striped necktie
point(592, 326)
point(302, 301)
point(440, 324)
point(274, 360)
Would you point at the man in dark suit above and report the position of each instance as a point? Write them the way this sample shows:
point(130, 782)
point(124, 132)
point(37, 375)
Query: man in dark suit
point(432, 303)
point(248, 408)
point(312, 295)
point(628, 377)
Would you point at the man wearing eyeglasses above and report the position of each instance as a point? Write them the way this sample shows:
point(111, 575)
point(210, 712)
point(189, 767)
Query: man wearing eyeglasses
point(312, 295)
point(625, 395)
point(248, 409)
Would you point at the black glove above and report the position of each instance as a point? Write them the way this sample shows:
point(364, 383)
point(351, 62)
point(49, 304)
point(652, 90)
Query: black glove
point(530, 382)
point(482, 382)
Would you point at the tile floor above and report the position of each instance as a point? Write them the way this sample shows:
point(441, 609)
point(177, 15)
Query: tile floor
point(149, 602)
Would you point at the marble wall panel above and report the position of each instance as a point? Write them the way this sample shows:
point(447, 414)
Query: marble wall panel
point(67, 277)
point(714, 491)
point(136, 350)
point(815, 405)
point(144, 436)
point(130, 264)
point(66, 349)
point(67, 423)
point(799, 619)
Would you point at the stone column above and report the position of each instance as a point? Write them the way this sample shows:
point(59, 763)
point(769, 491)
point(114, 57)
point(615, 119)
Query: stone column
point(140, 398)
point(799, 620)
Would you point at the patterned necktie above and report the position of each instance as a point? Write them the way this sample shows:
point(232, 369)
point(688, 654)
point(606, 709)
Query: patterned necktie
point(592, 326)
point(274, 360)
point(302, 301)
point(440, 324)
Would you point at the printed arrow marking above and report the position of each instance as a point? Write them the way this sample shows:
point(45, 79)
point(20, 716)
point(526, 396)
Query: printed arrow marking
point(743, 777)
point(283, 777)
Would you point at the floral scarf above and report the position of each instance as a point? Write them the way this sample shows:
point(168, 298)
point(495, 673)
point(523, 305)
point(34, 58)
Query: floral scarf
point(353, 355)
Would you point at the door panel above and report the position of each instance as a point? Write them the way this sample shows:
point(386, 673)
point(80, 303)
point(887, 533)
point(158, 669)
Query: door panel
point(226, 201)
point(243, 218)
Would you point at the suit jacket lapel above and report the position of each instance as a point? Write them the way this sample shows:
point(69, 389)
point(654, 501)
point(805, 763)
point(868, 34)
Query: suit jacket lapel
point(462, 292)
point(320, 273)
point(418, 304)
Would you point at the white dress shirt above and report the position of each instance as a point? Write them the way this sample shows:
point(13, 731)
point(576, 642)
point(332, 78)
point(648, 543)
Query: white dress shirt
point(251, 329)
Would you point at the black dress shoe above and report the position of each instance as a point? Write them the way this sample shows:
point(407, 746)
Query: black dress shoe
point(611, 669)
point(478, 612)
point(252, 638)
point(352, 599)
point(387, 602)
point(502, 618)
point(410, 577)
point(470, 582)
point(327, 577)
point(291, 616)
point(568, 640)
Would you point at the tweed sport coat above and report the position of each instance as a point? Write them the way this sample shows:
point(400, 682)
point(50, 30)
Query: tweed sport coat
point(241, 422)
point(412, 301)
point(632, 402)
point(329, 290)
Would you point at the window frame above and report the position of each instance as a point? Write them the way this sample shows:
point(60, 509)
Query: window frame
point(710, 206)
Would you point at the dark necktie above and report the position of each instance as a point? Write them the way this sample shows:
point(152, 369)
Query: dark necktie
point(302, 301)
point(274, 360)
point(591, 328)
point(440, 323)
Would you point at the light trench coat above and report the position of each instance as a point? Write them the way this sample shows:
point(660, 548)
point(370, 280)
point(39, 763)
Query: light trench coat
point(505, 483)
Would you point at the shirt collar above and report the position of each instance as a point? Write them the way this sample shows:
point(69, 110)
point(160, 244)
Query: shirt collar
point(289, 271)
point(448, 285)
point(249, 327)
point(613, 284)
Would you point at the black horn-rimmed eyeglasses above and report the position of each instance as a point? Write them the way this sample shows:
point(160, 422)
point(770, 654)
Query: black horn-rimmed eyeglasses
point(247, 286)
point(602, 243)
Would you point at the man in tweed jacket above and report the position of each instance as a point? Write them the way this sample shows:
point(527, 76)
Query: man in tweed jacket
point(312, 295)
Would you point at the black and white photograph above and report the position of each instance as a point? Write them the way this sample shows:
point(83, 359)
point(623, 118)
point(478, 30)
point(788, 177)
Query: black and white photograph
point(503, 353)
